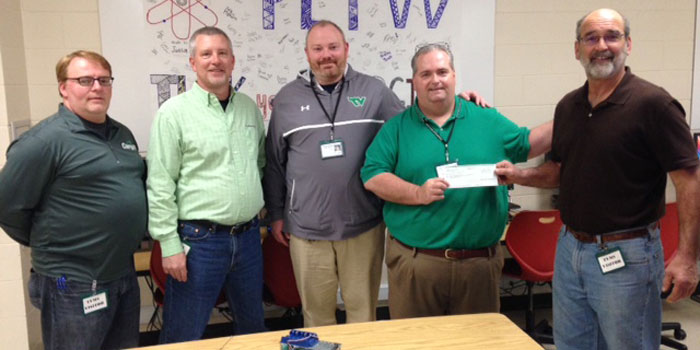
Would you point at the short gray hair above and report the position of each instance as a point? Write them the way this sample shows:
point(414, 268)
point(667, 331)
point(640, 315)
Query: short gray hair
point(579, 23)
point(207, 31)
point(422, 50)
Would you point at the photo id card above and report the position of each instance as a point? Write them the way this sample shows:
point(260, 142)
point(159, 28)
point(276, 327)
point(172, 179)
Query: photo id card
point(332, 149)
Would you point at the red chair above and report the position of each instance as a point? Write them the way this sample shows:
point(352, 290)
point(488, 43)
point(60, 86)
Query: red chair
point(157, 286)
point(278, 274)
point(280, 284)
point(670, 237)
point(531, 239)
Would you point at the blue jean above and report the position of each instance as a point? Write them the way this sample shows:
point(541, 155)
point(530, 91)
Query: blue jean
point(216, 260)
point(619, 310)
point(64, 324)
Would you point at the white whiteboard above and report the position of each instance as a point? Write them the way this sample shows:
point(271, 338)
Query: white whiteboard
point(146, 43)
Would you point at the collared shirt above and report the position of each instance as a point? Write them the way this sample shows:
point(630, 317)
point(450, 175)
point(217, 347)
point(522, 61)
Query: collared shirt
point(204, 163)
point(468, 218)
point(78, 199)
point(614, 157)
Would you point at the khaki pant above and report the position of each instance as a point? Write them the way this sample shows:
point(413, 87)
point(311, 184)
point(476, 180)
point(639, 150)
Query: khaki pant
point(355, 264)
point(423, 285)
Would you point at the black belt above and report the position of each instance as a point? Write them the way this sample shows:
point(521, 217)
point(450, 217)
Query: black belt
point(611, 237)
point(454, 254)
point(219, 228)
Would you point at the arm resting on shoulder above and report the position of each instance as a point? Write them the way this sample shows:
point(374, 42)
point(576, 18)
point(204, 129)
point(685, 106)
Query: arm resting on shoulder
point(540, 139)
point(682, 271)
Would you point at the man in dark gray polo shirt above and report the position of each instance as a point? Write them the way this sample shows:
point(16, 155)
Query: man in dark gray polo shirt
point(73, 190)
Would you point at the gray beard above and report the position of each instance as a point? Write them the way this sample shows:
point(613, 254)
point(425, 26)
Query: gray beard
point(599, 71)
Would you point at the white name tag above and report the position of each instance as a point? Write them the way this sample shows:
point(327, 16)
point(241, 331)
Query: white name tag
point(462, 176)
point(610, 260)
point(332, 149)
point(95, 302)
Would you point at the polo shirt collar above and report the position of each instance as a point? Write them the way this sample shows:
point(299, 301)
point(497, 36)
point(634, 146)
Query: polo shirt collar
point(207, 97)
point(456, 114)
point(621, 94)
point(74, 123)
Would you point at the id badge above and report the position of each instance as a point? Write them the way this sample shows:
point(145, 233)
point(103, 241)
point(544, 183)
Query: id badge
point(332, 149)
point(610, 260)
point(96, 302)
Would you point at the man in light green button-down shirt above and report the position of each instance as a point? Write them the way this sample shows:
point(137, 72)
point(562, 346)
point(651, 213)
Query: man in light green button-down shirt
point(205, 159)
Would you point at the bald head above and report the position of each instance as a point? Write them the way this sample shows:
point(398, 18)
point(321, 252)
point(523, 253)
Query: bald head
point(603, 14)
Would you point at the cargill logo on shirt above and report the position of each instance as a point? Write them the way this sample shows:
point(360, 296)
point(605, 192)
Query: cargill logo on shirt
point(129, 146)
point(357, 101)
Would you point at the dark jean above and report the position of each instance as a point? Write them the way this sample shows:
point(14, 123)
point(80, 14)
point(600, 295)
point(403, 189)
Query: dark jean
point(216, 260)
point(620, 310)
point(64, 326)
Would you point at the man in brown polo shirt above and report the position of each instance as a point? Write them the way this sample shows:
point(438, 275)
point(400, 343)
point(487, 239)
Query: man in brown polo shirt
point(614, 141)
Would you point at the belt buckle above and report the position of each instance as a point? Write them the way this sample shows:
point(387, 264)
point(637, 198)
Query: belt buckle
point(447, 254)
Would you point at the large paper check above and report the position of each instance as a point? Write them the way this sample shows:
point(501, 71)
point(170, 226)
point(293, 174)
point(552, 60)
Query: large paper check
point(462, 176)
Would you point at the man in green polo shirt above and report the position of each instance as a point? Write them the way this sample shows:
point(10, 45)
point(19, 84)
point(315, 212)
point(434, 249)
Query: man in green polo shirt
point(443, 255)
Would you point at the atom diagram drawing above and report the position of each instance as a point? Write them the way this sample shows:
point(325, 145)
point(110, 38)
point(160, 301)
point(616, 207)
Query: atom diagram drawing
point(181, 13)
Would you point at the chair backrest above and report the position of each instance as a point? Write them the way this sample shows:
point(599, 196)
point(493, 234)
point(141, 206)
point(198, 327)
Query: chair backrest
point(670, 235)
point(160, 278)
point(157, 274)
point(278, 273)
point(531, 239)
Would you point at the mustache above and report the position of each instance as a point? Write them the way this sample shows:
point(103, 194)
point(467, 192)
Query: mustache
point(604, 54)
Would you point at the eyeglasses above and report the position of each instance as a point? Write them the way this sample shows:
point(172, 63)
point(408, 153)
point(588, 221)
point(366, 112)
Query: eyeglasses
point(609, 38)
point(88, 81)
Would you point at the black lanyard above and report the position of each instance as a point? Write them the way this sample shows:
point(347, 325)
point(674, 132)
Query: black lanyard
point(337, 103)
point(445, 143)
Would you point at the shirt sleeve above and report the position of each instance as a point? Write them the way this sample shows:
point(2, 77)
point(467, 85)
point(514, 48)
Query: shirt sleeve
point(30, 168)
point(382, 153)
point(391, 106)
point(164, 160)
point(274, 179)
point(261, 142)
point(669, 136)
point(516, 141)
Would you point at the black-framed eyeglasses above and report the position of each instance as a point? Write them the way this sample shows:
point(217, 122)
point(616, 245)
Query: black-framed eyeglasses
point(88, 81)
point(609, 38)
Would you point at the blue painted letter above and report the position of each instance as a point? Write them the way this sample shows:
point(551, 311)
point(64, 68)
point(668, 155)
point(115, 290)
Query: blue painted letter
point(353, 15)
point(433, 22)
point(400, 22)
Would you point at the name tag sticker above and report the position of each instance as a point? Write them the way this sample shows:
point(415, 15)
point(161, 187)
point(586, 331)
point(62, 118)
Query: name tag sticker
point(610, 260)
point(332, 149)
point(95, 302)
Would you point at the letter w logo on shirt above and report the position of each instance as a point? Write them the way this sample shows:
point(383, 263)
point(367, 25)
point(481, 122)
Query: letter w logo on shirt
point(357, 101)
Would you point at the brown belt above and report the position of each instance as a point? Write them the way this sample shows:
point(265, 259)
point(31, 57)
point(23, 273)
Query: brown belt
point(454, 254)
point(611, 237)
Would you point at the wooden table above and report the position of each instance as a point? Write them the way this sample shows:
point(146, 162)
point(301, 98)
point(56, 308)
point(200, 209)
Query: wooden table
point(480, 331)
